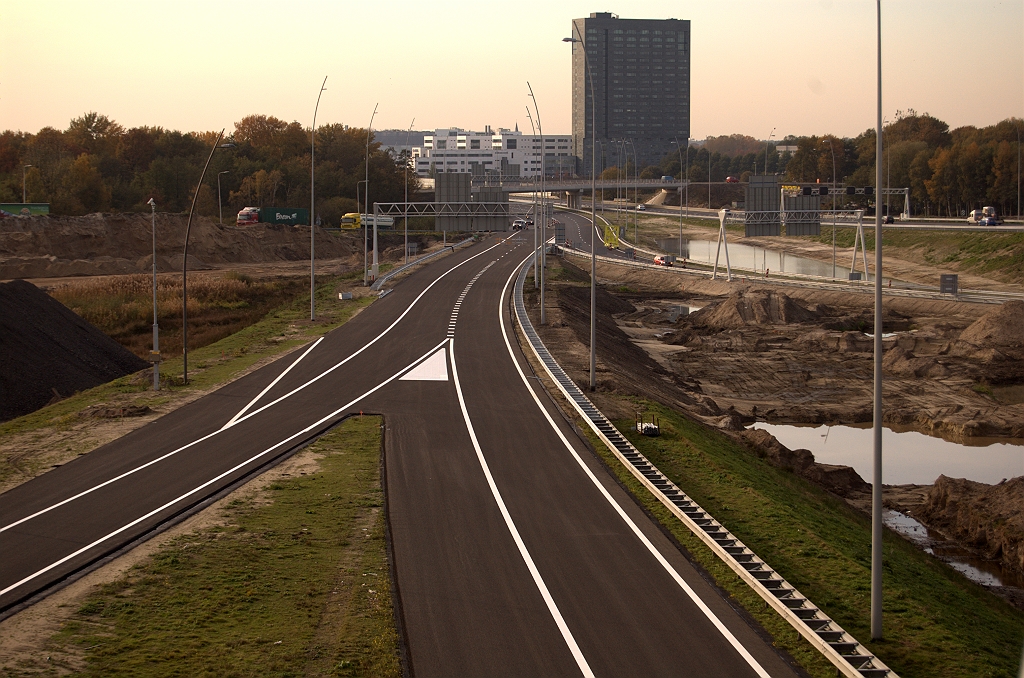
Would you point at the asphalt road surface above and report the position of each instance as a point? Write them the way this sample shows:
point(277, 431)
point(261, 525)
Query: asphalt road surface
point(515, 552)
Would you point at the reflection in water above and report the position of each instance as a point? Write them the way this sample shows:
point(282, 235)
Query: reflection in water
point(755, 258)
point(908, 457)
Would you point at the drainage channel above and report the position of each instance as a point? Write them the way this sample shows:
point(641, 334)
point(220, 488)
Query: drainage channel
point(839, 647)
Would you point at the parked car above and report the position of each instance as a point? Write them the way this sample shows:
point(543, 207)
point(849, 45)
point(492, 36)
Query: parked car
point(664, 260)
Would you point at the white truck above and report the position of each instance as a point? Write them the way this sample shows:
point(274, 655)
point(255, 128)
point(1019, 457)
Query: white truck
point(986, 216)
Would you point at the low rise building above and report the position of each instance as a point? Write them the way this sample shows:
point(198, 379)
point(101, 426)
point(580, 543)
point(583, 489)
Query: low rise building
point(498, 154)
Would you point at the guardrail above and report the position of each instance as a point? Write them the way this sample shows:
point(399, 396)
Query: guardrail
point(844, 651)
point(813, 282)
point(379, 282)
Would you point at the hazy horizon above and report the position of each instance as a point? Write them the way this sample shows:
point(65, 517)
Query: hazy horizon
point(802, 67)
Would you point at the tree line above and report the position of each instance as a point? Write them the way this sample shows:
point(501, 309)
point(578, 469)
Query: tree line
point(96, 165)
point(948, 172)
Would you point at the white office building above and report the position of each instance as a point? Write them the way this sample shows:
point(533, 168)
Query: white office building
point(504, 153)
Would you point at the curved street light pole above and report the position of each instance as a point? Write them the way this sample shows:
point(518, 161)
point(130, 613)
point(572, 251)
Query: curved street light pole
point(184, 261)
point(312, 206)
point(366, 200)
point(593, 211)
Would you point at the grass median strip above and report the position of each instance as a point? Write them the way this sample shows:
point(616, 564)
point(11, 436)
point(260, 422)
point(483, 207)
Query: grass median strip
point(292, 581)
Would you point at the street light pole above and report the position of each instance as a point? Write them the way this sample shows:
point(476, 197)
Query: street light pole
point(543, 210)
point(834, 207)
point(593, 211)
point(25, 167)
point(312, 206)
point(220, 205)
point(681, 172)
point(536, 216)
point(766, 144)
point(876, 485)
point(184, 261)
point(366, 200)
point(406, 215)
point(156, 328)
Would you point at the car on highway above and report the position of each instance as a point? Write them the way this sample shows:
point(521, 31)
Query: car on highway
point(989, 221)
point(887, 219)
point(664, 260)
point(518, 225)
point(641, 207)
point(732, 180)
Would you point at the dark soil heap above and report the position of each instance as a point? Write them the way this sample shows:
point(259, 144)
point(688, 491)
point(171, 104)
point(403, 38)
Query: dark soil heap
point(47, 352)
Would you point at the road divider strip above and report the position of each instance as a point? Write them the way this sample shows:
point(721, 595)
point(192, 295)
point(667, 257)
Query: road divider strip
point(271, 385)
point(847, 654)
point(221, 476)
point(163, 457)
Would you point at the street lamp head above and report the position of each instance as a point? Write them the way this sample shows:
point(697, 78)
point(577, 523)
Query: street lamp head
point(570, 40)
point(152, 203)
point(224, 172)
point(228, 145)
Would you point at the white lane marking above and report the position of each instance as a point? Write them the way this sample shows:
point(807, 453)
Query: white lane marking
point(434, 368)
point(458, 304)
point(577, 654)
point(618, 509)
point(252, 402)
point(251, 414)
point(223, 475)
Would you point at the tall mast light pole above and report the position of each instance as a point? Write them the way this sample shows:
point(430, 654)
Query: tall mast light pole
point(220, 205)
point(407, 159)
point(593, 211)
point(25, 167)
point(366, 200)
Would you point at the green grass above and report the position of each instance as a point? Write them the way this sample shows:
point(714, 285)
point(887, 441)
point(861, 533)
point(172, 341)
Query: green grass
point(297, 586)
point(936, 622)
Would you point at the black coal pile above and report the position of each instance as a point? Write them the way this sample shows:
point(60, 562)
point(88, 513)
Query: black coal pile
point(48, 352)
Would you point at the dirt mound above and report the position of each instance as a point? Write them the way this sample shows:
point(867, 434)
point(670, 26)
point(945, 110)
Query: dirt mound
point(49, 352)
point(1003, 327)
point(46, 247)
point(759, 307)
point(988, 518)
point(841, 480)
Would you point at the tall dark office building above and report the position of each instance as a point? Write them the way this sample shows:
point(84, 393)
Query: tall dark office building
point(641, 76)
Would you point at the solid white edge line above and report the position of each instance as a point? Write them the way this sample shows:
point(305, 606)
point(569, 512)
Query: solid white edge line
point(222, 475)
point(271, 385)
point(577, 654)
point(611, 500)
point(255, 412)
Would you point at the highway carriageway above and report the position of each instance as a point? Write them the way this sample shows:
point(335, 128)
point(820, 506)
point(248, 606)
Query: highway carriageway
point(514, 551)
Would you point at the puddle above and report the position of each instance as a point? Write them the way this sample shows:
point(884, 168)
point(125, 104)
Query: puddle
point(907, 457)
point(984, 572)
point(756, 258)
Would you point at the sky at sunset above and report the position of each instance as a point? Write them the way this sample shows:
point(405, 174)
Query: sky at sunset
point(799, 66)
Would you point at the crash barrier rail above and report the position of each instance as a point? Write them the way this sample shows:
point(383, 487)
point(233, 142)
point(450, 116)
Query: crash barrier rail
point(379, 282)
point(844, 651)
point(812, 282)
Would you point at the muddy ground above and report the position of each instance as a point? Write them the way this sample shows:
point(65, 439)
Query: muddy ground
point(798, 356)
